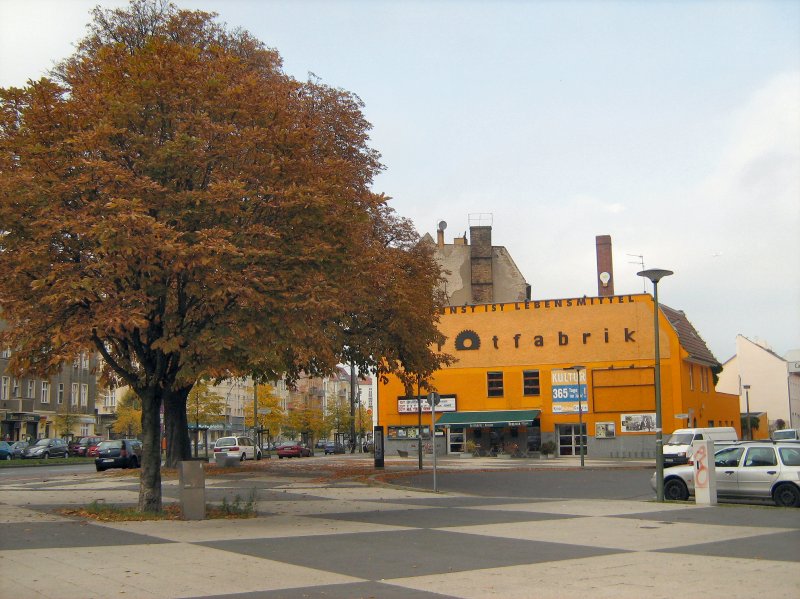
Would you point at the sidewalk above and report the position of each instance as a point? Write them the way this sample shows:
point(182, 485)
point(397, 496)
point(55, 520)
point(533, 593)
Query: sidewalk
point(346, 539)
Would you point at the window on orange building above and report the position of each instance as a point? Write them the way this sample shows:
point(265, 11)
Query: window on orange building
point(691, 377)
point(494, 383)
point(530, 382)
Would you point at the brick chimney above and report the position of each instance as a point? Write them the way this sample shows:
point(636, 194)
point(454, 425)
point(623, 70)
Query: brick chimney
point(605, 266)
point(480, 251)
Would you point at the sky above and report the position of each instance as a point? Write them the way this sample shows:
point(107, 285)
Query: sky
point(672, 126)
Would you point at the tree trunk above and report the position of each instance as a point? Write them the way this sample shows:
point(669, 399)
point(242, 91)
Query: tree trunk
point(176, 428)
point(150, 478)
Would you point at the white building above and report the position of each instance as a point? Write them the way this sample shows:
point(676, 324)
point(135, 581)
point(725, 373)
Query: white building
point(774, 381)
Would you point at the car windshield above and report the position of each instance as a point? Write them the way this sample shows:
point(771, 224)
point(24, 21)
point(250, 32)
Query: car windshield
point(787, 434)
point(288, 444)
point(226, 442)
point(110, 444)
point(680, 439)
point(42, 442)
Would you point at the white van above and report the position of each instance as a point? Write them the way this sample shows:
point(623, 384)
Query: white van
point(678, 448)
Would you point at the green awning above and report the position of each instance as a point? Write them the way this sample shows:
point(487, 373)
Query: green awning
point(493, 419)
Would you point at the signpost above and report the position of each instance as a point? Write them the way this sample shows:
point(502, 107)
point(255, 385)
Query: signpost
point(433, 400)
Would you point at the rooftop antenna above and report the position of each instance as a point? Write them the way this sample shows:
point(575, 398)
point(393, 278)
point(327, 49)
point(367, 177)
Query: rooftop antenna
point(639, 262)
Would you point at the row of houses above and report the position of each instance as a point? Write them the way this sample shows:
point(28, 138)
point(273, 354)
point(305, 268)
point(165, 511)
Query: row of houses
point(33, 407)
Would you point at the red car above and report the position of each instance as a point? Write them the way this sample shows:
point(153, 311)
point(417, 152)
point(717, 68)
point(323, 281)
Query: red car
point(91, 451)
point(293, 449)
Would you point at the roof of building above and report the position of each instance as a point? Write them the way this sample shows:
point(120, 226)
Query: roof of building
point(689, 338)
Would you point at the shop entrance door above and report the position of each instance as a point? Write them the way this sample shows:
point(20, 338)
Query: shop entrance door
point(455, 440)
point(569, 441)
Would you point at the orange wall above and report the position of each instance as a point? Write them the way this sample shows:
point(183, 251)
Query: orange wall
point(612, 337)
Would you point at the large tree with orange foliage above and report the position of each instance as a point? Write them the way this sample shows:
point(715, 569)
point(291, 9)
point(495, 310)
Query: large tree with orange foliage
point(172, 199)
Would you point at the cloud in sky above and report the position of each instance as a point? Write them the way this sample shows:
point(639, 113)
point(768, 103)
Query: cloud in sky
point(672, 127)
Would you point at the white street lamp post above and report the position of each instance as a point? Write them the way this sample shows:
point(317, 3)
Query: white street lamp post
point(655, 275)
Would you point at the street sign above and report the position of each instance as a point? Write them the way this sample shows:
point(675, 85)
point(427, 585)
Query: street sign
point(433, 398)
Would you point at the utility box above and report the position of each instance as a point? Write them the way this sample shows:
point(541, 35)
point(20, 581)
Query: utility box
point(192, 483)
point(705, 478)
point(223, 460)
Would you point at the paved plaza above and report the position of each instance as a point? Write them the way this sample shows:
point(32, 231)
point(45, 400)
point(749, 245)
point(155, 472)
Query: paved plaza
point(336, 538)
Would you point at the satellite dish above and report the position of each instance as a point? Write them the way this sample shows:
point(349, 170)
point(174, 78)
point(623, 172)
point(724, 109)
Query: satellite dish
point(442, 225)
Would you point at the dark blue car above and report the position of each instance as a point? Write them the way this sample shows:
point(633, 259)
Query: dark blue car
point(6, 453)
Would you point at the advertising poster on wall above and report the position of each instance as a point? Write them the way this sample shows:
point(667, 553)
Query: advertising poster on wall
point(447, 403)
point(566, 390)
point(638, 423)
point(605, 430)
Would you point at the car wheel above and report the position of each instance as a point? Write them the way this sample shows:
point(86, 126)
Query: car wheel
point(280, 457)
point(258, 456)
point(786, 495)
point(99, 468)
point(243, 457)
point(133, 463)
point(46, 456)
point(675, 490)
point(8, 457)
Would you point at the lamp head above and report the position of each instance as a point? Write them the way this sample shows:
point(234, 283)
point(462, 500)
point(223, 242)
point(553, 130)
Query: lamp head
point(655, 274)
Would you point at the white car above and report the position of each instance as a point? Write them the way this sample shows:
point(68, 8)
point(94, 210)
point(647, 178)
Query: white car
point(241, 448)
point(745, 470)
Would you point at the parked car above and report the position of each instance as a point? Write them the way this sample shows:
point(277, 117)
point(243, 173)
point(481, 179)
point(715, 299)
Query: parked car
point(6, 452)
point(320, 444)
point(786, 434)
point(80, 445)
point(46, 448)
point(331, 447)
point(293, 449)
point(17, 447)
point(239, 447)
point(118, 453)
point(746, 470)
point(91, 451)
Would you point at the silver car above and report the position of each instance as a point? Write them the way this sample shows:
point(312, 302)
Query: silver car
point(745, 470)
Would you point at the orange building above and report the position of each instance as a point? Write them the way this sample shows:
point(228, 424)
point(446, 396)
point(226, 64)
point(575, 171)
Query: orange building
point(513, 388)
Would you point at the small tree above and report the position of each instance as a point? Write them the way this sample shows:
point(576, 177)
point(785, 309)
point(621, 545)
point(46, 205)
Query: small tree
point(305, 421)
point(204, 406)
point(67, 418)
point(129, 415)
point(753, 424)
point(272, 415)
point(337, 416)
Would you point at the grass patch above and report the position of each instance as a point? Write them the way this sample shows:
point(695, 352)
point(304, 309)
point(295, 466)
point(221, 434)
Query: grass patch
point(20, 463)
point(104, 512)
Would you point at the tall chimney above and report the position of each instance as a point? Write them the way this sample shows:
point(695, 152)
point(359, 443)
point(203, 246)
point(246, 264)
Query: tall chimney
point(605, 266)
point(440, 238)
point(480, 251)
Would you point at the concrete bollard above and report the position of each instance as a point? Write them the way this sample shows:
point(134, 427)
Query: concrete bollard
point(192, 490)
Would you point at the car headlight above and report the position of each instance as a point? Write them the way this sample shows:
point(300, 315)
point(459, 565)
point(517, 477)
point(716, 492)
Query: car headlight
point(681, 454)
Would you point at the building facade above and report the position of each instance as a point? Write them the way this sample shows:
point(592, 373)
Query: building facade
point(30, 406)
point(514, 387)
point(773, 383)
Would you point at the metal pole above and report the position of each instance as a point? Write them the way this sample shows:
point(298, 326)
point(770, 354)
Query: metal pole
point(747, 412)
point(655, 275)
point(419, 425)
point(659, 436)
point(580, 417)
point(577, 370)
point(433, 443)
point(255, 413)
